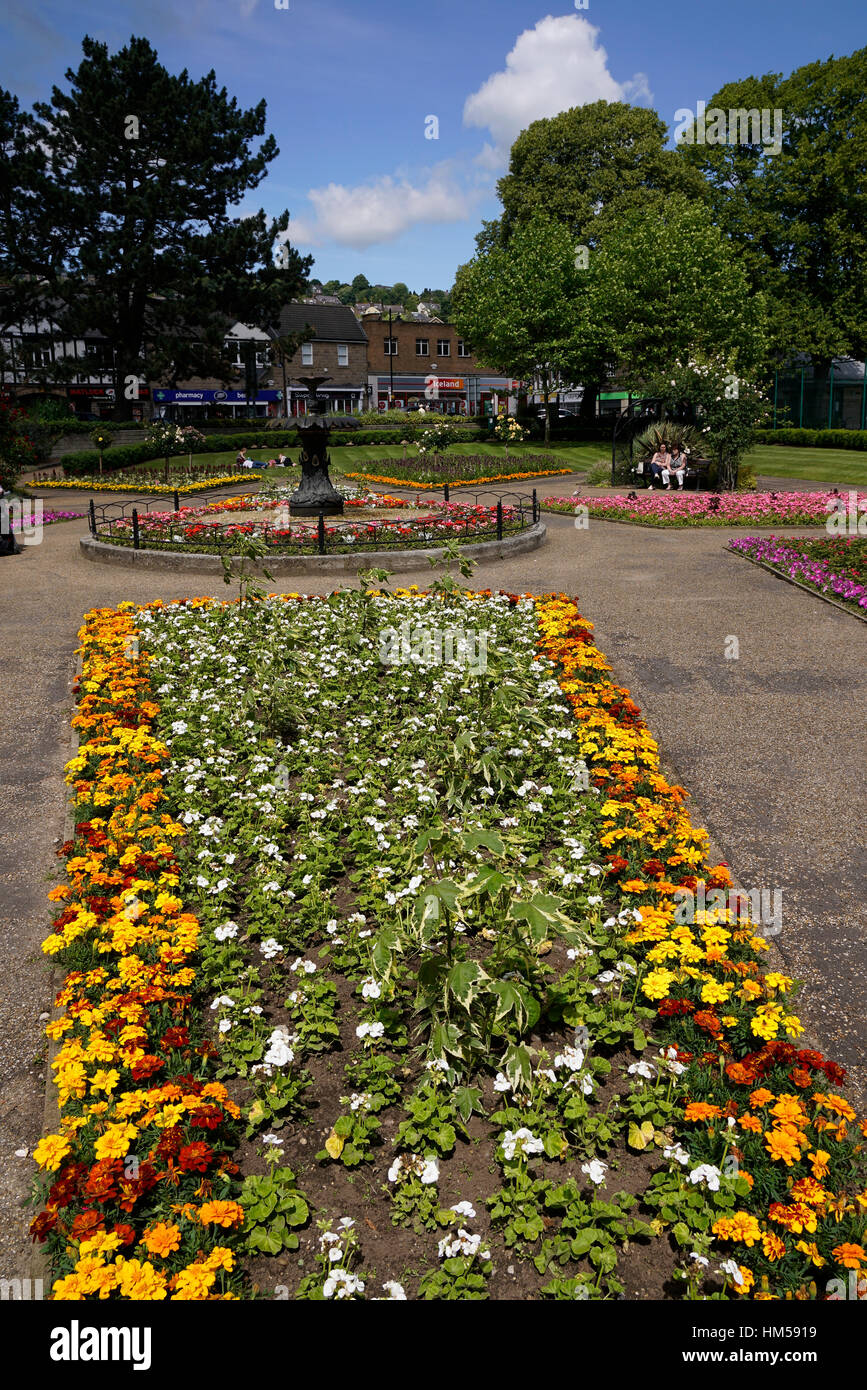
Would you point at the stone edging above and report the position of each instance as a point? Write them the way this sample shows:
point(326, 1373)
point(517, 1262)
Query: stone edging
point(394, 560)
point(814, 593)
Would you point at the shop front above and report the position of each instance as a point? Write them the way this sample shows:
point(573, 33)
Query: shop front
point(445, 395)
point(98, 401)
point(186, 407)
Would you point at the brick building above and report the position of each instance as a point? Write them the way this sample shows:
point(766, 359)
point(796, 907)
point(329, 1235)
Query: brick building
point(428, 363)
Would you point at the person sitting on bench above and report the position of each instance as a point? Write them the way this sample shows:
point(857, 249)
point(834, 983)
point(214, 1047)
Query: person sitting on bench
point(659, 465)
point(677, 465)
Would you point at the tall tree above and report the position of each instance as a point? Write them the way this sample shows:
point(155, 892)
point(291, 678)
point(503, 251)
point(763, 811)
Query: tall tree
point(584, 168)
point(799, 216)
point(141, 169)
point(521, 306)
point(668, 286)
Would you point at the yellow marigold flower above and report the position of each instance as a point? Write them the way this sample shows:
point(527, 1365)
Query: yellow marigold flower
point(713, 993)
point(162, 1239)
point(104, 1081)
point(741, 1227)
point(656, 983)
point(221, 1257)
point(793, 1026)
point(750, 990)
point(221, 1214)
point(782, 1146)
point(193, 1283)
point(811, 1250)
point(729, 1020)
point(747, 1280)
point(51, 1151)
point(140, 1281)
point(115, 1142)
point(790, 1108)
point(776, 981)
point(170, 1116)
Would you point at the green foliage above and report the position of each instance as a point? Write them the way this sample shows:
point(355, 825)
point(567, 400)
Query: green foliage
point(16, 452)
point(132, 214)
point(670, 432)
point(586, 166)
point(814, 439)
point(274, 1209)
point(797, 219)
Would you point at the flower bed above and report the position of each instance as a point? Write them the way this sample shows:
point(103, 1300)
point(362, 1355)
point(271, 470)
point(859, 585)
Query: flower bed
point(98, 484)
point(705, 509)
point(49, 518)
point(835, 566)
point(412, 921)
point(444, 522)
point(458, 470)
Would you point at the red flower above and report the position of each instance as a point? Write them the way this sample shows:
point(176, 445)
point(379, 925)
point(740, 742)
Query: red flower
point(125, 1232)
point(87, 1223)
point(675, 1008)
point(104, 1176)
point(207, 1117)
point(175, 1037)
point(43, 1224)
point(195, 1158)
point(146, 1066)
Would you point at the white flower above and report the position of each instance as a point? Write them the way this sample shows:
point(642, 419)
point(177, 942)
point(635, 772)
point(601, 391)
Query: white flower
point(223, 1001)
point(370, 1030)
point(699, 1259)
point(279, 1053)
point(705, 1172)
point(225, 1025)
point(223, 933)
point(571, 1057)
point(370, 989)
point(643, 1069)
point(395, 1292)
point(595, 1170)
point(272, 1139)
point(733, 1268)
point(430, 1173)
point(306, 966)
point(270, 948)
point(521, 1139)
point(342, 1284)
point(678, 1153)
point(464, 1209)
point(502, 1083)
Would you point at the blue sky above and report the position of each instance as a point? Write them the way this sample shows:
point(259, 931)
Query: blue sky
point(350, 84)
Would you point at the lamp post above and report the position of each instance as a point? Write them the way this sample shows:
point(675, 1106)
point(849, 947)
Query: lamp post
point(390, 365)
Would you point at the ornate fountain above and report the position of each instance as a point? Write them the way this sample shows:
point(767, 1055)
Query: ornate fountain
point(316, 492)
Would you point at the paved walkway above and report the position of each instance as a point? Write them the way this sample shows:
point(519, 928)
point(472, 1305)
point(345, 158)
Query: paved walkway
point(771, 746)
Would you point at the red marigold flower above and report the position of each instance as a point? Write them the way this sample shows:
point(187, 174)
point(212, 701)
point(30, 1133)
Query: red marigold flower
point(207, 1117)
point(146, 1067)
point(675, 1008)
point(125, 1232)
point(86, 1223)
point(801, 1077)
point(43, 1224)
point(175, 1037)
point(195, 1158)
point(834, 1072)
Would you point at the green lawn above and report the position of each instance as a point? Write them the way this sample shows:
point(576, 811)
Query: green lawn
point(834, 466)
point(358, 458)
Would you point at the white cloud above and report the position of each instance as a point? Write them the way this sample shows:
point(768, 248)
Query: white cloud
point(379, 211)
point(551, 68)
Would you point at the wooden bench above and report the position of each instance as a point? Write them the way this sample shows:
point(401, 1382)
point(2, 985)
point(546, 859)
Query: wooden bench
point(696, 472)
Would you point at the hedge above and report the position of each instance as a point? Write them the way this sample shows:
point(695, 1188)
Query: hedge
point(814, 439)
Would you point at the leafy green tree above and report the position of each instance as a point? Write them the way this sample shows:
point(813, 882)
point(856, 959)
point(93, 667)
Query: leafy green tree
point(140, 171)
point(360, 285)
point(587, 165)
point(798, 217)
point(522, 306)
point(667, 285)
point(728, 409)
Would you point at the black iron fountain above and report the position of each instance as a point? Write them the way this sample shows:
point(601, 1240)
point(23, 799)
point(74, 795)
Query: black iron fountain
point(315, 493)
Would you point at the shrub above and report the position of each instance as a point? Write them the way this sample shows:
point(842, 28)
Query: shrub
point(814, 439)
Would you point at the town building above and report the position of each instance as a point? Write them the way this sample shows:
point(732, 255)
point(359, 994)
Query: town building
point(414, 362)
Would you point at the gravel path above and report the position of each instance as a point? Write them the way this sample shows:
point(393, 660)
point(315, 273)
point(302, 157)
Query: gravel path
point(771, 746)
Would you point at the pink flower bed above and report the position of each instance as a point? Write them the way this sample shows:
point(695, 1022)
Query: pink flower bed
point(708, 509)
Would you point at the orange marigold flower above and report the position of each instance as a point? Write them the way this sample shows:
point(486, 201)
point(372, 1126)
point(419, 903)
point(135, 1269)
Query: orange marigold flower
point(782, 1146)
point(162, 1239)
point(849, 1255)
point(796, 1218)
point(221, 1214)
point(700, 1110)
point(761, 1097)
point(819, 1162)
point(750, 1122)
point(835, 1103)
point(773, 1246)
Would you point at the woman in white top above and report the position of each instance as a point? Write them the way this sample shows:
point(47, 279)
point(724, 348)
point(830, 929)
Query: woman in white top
point(677, 466)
